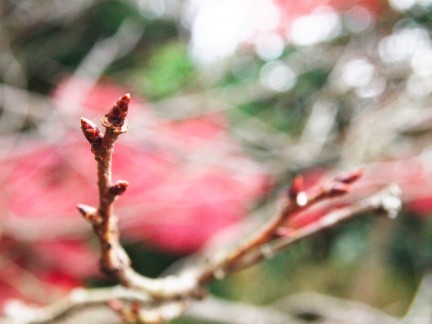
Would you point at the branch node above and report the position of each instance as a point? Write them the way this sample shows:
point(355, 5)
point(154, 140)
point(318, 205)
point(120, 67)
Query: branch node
point(118, 130)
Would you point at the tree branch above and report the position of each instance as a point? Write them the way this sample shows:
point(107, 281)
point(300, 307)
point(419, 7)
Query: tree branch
point(78, 299)
point(114, 260)
point(156, 300)
point(298, 201)
point(387, 201)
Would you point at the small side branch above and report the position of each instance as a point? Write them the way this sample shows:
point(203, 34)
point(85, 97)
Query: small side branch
point(387, 201)
point(298, 201)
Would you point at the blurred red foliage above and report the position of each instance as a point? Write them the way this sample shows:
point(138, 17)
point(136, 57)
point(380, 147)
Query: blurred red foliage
point(292, 9)
point(187, 181)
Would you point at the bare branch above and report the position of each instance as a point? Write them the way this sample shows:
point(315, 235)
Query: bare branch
point(76, 300)
point(298, 201)
point(388, 201)
point(150, 300)
point(114, 261)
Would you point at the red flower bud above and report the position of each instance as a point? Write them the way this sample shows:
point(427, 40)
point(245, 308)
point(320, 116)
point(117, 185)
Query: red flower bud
point(117, 115)
point(119, 187)
point(91, 132)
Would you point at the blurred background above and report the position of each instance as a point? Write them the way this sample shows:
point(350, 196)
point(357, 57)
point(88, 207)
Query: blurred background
point(230, 100)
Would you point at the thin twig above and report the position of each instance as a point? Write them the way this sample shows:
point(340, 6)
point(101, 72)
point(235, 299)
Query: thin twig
point(76, 300)
point(114, 260)
point(388, 201)
point(298, 201)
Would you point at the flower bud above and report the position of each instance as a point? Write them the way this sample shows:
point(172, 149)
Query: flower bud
point(89, 213)
point(91, 132)
point(117, 115)
point(119, 187)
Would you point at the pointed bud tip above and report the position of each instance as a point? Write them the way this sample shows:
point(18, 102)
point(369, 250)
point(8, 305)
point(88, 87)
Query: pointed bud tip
point(91, 132)
point(80, 208)
point(123, 102)
point(116, 117)
point(85, 209)
point(86, 122)
point(89, 213)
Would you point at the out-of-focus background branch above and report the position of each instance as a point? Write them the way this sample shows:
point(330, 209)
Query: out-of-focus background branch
point(232, 99)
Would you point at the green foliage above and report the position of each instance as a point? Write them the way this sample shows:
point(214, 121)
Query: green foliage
point(167, 71)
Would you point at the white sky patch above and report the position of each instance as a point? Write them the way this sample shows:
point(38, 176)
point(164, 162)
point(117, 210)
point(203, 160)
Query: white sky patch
point(421, 62)
point(358, 19)
point(419, 86)
point(403, 44)
point(357, 73)
point(321, 25)
point(269, 46)
point(219, 27)
point(277, 76)
point(402, 5)
point(373, 89)
point(267, 16)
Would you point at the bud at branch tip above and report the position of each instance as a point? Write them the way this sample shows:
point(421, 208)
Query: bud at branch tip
point(117, 115)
